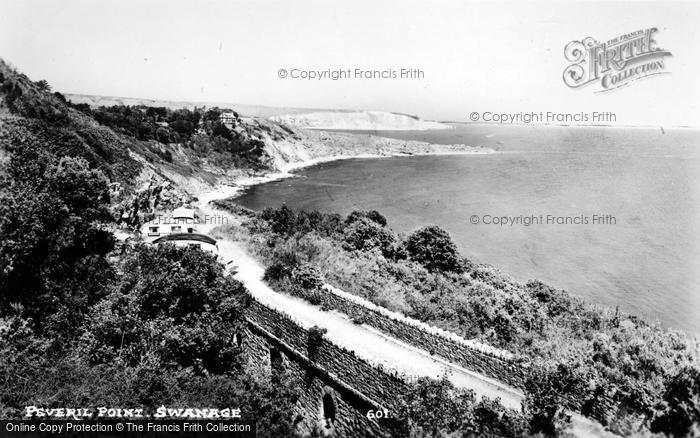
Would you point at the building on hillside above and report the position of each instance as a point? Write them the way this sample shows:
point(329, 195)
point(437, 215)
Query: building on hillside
point(202, 241)
point(182, 220)
point(228, 118)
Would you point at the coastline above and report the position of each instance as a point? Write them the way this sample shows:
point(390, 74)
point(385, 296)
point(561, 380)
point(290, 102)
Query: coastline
point(235, 186)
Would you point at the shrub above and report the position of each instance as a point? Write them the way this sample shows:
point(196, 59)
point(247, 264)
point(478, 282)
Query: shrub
point(322, 223)
point(53, 241)
point(372, 215)
point(436, 408)
point(286, 222)
point(365, 235)
point(557, 301)
point(547, 395)
point(307, 277)
point(314, 340)
point(681, 413)
point(276, 272)
point(282, 220)
point(433, 247)
point(174, 302)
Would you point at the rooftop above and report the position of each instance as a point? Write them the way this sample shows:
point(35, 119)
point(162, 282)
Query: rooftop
point(178, 237)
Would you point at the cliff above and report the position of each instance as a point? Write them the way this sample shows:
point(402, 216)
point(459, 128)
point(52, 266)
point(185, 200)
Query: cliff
point(358, 120)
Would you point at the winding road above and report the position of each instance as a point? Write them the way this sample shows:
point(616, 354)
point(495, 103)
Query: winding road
point(367, 342)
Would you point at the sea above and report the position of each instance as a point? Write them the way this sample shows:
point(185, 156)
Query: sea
point(609, 214)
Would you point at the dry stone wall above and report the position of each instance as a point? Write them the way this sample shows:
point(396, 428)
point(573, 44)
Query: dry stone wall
point(475, 356)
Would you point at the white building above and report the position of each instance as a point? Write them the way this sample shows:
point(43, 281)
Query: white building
point(182, 220)
point(228, 118)
point(180, 229)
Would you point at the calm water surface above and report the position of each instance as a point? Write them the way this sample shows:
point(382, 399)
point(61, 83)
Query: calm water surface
point(647, 262)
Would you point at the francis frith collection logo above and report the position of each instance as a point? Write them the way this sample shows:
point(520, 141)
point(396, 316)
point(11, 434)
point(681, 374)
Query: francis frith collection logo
point(615, 63)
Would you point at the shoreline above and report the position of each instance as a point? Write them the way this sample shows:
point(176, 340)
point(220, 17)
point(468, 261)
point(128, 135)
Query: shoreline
point(234, 187)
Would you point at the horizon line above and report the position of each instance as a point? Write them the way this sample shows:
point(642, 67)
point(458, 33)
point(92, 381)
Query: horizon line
point(298, 108)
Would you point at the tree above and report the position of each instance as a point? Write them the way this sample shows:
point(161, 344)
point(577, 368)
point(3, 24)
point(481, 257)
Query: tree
point(157, 113)
point(366, 235)
point(433, 248)
point(282, 220)
point(52, 237)
point(372, 215)
point(43, 85)
point(548, 390)
point(220, 130)
point(173, 302)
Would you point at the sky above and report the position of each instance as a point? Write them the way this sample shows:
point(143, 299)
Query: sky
point(475, 56)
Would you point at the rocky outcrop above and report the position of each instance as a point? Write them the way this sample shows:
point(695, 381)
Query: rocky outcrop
point(141, 206)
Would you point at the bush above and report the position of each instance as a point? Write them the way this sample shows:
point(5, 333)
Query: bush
point(433, 247)
point(556, 301)
point(173, 302)
point(314, 340)
point(547, 395)
point(435, 408)
point(307, 277)
point(681, 413)
point(372, 215)
point(282, 220)
point(277, 271)
point(287, 222)
point(365, 235)
point(53, 241)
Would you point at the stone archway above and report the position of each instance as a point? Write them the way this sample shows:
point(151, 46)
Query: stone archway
point(276, 359)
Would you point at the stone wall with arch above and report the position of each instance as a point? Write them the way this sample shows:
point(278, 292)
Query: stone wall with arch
point(337, 378)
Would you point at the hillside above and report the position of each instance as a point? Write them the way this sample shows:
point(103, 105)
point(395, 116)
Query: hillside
point(154, 165)
point(144, 174)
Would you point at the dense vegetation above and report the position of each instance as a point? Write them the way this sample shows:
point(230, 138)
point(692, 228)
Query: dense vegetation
point(199, 130)
point(185, 142)
point(86, 321)
point(84, 325)
point(89, 321)
point(437, 409)
point(629, 375)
